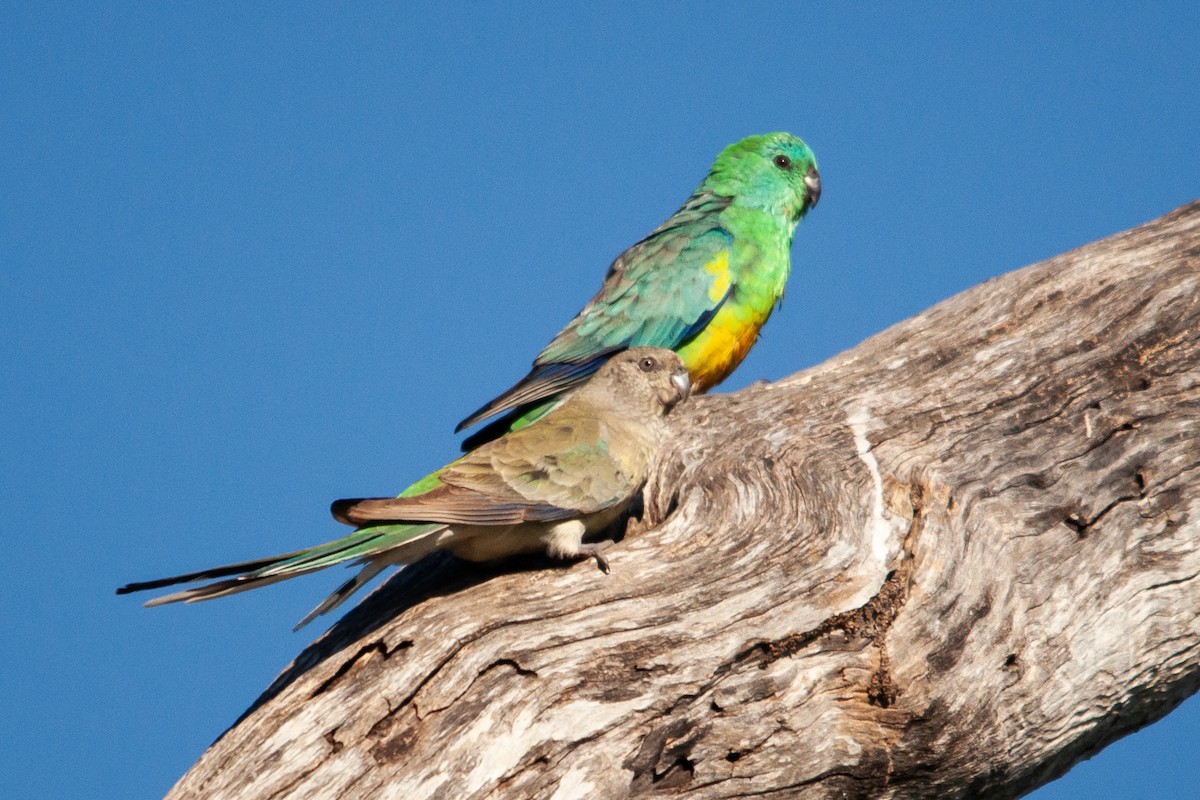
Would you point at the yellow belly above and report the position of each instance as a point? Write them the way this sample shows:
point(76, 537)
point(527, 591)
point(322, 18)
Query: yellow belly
point(720, 348)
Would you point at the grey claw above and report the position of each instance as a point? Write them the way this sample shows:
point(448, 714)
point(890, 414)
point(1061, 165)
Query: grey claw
point(596, 551)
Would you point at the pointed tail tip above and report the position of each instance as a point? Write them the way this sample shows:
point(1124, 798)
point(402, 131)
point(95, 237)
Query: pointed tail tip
point(490, 409)
point(309, 617)
point(130, 588)
point(479, 415)
point(340, 595)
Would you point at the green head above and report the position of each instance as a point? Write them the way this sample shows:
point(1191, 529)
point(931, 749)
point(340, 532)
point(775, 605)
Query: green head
point(775, 172)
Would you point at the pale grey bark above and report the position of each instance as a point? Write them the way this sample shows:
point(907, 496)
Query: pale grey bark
point(947, 563)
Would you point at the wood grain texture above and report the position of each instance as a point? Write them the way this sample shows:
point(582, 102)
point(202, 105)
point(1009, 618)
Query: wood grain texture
point(948, 563)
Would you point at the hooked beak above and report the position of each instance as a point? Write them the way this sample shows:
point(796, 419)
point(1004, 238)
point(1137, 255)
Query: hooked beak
point(812, 183)
point(682, 382)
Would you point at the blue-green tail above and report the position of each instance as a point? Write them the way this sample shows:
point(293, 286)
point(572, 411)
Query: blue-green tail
point(378, 547)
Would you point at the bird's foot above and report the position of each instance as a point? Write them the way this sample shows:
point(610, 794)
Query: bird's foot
point(596, 550)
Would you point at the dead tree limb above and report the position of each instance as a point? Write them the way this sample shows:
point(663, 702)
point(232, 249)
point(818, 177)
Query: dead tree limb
point(950, 562)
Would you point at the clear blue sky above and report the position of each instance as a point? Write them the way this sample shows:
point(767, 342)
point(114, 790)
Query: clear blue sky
point(253, 260)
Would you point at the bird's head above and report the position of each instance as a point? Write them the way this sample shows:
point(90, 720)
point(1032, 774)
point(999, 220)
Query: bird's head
point(650, 379)
point(772, 171)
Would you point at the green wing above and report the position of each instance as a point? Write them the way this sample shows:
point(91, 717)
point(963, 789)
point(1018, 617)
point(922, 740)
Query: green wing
point(660, 292)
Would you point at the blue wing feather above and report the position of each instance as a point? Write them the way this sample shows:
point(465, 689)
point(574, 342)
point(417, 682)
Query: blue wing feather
point(657, 293)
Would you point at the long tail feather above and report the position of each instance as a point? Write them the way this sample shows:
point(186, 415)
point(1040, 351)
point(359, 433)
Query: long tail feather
point(364, 576)
point(211, 591)
point(379, 546)
point(207, 574)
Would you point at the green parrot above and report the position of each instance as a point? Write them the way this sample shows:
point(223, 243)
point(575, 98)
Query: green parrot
point(543, 488)
point(703, 283)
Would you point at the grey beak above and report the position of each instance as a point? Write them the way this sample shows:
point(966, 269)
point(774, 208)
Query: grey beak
point(682, 383)
point(812, 182)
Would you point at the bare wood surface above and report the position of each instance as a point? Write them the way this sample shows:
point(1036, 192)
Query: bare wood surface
point(949, 562)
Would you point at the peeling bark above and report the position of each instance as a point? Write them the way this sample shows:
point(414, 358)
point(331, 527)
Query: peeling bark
point(950, 562)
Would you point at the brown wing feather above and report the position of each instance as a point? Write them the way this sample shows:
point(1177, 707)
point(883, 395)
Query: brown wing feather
point(452, 505)
point(557, 468)
point(566, 460)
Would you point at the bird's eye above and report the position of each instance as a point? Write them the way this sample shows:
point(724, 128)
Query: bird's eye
point(783, 162)
point(647, 364)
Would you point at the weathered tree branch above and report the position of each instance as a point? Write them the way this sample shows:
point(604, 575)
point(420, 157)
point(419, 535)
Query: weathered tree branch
point(949, 562)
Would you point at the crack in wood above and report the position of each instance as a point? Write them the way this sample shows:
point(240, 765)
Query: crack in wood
point(285, 789)
point(672, 742)
point(506, 662)
point(870, 621)
point(405, 702)
point(377, 646)
point(335, 746)
point(881, 688)
point(1083, 526)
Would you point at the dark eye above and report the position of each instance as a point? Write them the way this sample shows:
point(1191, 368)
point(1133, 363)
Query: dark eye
point(783, 162)
point(647, 364)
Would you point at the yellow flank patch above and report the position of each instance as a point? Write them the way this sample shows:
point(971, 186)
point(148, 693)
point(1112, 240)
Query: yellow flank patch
point(720, 347)
point(719, 269)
